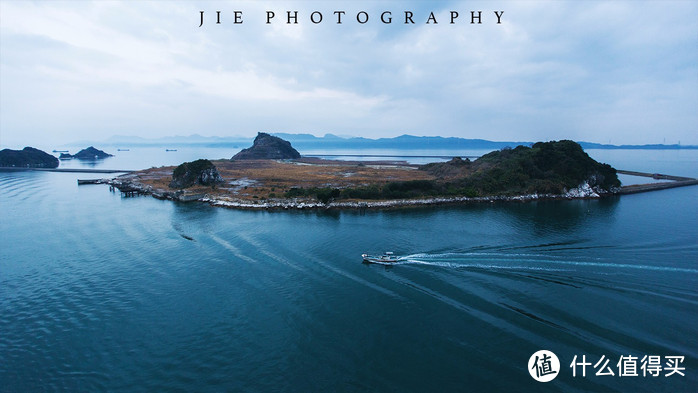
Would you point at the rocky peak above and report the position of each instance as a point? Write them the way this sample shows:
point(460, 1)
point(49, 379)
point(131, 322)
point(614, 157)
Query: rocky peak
point(267, 147)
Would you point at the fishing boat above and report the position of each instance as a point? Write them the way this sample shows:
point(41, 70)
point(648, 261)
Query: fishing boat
point(387, 257)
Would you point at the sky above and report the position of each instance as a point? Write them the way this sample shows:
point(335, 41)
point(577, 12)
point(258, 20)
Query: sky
point(620, 72)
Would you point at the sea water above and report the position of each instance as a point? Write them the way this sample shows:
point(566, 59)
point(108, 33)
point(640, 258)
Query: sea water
point(104, 293)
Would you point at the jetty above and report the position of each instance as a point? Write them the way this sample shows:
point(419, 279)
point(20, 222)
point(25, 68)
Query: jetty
point(674, 181)
point(69, 170)
point(656, 176)
point(126, 190)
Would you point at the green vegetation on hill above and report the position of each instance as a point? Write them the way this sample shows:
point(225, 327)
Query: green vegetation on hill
point(544, 168)
point(201, 172)
point(391, 190)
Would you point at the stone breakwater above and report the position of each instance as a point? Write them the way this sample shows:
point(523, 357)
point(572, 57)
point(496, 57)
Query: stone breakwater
point(584, 191)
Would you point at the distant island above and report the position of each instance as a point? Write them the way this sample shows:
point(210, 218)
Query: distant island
point(90, 153)
point(28, 157)
point(559, 169)
point(330, 141)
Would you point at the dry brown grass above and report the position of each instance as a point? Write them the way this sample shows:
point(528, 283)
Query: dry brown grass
point(258, 179)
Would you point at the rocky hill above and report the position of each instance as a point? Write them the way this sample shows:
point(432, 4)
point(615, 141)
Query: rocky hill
point(199, 172)
point(88, 154)
point(28, 157)
point(546, 167)
point(268, 147)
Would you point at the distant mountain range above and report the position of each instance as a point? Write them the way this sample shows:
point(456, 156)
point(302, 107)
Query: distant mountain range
point(330, 141)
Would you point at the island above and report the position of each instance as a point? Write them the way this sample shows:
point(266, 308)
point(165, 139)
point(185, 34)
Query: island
point(28, 157)
point(90, 153)
point(545, 170)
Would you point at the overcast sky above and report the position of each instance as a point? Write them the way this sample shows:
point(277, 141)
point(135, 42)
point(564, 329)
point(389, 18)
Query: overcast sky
point(599, 71)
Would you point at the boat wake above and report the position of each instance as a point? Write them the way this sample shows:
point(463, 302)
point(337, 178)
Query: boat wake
point(525, 261)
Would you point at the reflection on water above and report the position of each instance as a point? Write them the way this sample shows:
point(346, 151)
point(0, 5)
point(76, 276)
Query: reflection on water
point(553, 216)
point(86, 163)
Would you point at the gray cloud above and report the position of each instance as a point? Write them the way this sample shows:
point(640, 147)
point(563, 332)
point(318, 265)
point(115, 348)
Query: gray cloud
point(595, 71)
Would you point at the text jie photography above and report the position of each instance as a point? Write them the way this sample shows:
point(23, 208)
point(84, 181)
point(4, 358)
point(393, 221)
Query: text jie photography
point(361, 17)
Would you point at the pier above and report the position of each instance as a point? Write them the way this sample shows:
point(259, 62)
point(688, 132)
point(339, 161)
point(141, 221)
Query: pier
point(126, 190)
point(675, 181)
point(636, 188)
point(68, 170)
point(657, 176)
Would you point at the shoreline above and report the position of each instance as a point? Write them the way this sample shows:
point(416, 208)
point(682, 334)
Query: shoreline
point(582, 192)
point(378, 205)
point(254, 183)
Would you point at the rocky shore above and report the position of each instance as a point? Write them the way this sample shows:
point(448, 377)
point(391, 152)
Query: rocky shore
point(123, 182)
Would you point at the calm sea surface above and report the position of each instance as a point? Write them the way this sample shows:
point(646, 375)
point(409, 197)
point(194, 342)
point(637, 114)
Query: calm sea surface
point(104, 293)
